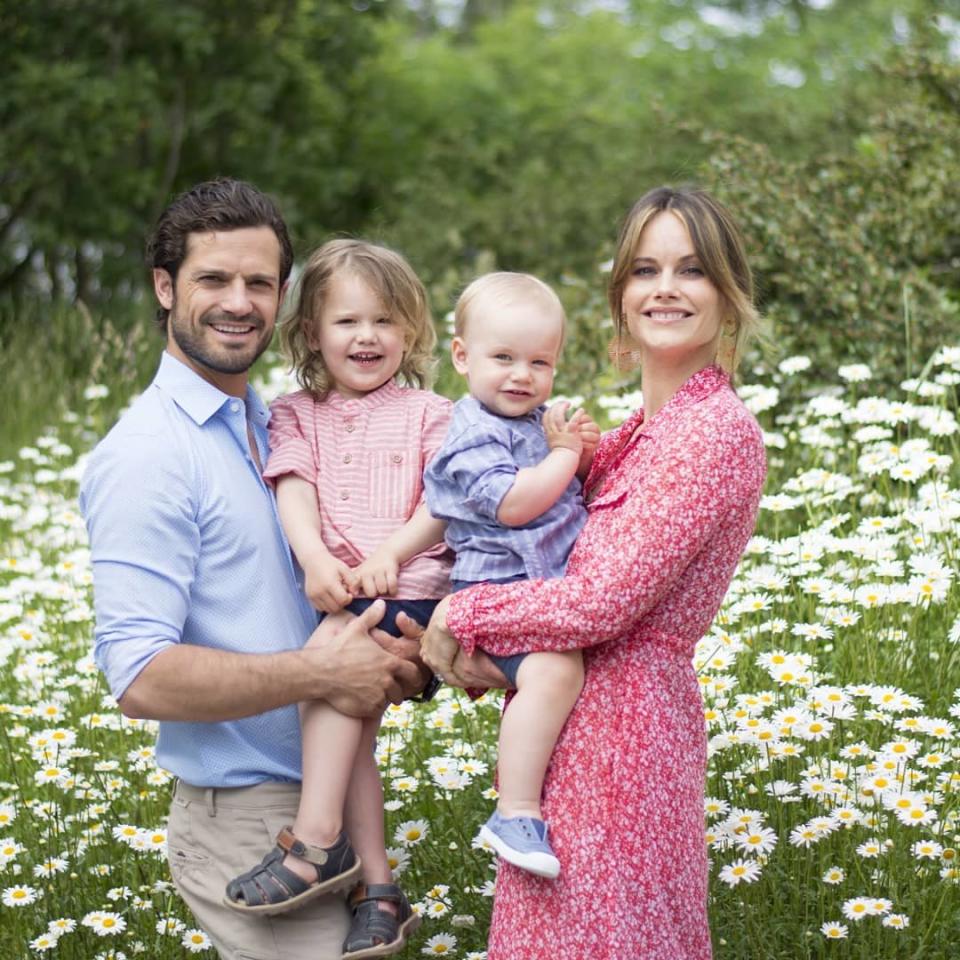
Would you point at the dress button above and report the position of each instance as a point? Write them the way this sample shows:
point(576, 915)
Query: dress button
point(397, 458)
point(347, 458)
point(344, 494)
point(349, 428)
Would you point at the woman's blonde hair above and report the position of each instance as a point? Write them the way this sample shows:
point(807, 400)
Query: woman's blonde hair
point(504, 289)
point(719, 246)
point(397, 287)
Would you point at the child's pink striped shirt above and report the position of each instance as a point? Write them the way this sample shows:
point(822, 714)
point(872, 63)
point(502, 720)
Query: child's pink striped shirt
point(366, 458)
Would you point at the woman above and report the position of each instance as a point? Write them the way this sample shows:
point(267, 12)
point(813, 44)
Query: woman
point(672, 499)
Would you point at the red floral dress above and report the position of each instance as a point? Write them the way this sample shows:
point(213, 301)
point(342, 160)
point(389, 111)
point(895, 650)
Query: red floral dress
point(672, 504)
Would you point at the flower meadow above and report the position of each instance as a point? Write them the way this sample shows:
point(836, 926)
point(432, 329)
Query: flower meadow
point(831, 687)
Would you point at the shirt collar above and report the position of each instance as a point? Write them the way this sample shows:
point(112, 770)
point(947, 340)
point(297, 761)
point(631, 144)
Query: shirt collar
point(701, 385)
point(533, 416)
point(199, 399)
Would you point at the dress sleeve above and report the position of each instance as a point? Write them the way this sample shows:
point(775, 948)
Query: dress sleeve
point(668, 513)
point(290, 450)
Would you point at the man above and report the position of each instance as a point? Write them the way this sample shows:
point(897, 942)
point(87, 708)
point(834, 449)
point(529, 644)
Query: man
point(201, 622)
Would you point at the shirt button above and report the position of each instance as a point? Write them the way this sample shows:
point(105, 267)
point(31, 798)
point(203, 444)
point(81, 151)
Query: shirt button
point(344, 494)
point(235, 406)
point(397, 458)
point(349, 427)
point(347, 458)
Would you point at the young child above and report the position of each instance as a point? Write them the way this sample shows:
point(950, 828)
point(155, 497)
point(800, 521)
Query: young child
point(347, 455)
point(506, 481)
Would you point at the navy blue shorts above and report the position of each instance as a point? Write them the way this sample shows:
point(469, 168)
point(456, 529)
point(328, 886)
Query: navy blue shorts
point(508, 665)
point(420, 610)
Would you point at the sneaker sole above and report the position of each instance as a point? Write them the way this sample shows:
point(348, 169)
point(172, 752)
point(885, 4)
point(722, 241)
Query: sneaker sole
point(541, 864)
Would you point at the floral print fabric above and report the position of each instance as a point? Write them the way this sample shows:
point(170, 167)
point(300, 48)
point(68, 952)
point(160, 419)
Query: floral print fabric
point(672, 504)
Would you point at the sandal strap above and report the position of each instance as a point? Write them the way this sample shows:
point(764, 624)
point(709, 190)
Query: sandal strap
point(371, 927)
point(288, 841)
point(270, 881)
point(363, 892)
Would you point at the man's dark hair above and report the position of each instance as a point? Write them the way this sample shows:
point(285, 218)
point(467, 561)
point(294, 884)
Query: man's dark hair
point(222, 204)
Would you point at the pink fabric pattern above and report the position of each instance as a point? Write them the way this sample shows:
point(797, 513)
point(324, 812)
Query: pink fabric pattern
point(672, 504)
point(366, 457)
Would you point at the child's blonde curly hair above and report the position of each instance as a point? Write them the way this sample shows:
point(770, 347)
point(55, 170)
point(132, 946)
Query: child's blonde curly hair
point(397, 287)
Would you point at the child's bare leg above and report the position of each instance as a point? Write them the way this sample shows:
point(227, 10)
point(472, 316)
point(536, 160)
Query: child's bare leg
point(363, 813)
point(330, 744)
point(548, 685)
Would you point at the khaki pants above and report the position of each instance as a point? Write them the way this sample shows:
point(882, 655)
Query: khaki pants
point(215, 834)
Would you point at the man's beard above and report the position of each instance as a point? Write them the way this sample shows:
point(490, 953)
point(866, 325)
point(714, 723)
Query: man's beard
point(222, 359)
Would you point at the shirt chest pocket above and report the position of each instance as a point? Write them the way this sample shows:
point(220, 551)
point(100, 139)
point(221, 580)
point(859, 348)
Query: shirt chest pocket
point(395, 483)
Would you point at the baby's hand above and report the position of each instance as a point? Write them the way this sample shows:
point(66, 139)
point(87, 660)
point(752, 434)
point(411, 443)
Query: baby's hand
point(590, 435)
point(377, 575)
point(330, 584)
point(560, 433)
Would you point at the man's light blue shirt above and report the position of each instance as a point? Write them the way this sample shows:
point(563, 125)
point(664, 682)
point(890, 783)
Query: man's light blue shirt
point(187, 547)
point(471, 474)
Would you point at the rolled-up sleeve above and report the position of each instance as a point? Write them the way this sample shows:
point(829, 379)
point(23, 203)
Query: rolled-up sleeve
point(139, 504)
point(484, 471)
point(290, 449)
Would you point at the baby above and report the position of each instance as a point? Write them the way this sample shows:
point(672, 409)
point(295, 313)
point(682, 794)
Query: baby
point(507, 483)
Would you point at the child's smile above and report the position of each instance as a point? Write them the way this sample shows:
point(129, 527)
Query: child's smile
point(509, 354)
point(361, 343)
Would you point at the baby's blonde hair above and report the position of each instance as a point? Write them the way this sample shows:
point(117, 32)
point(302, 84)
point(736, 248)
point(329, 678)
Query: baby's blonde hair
point(504, 289)
point(397, 287)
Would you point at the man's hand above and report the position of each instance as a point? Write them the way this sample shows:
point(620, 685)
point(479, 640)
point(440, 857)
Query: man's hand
point(377, 575)
point(368, 676)
point(329, 583)
point(408, 647)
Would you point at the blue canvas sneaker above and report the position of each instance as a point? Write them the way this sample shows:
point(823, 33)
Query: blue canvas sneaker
point(523, 842)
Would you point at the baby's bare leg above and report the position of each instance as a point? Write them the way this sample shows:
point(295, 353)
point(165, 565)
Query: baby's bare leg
point(548, 685)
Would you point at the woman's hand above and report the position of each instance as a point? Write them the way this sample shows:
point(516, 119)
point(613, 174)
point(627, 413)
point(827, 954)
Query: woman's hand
point(441, 652)
point(439, 646)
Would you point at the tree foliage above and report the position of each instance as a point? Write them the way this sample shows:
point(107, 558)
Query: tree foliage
point(507, 133)
point(108, 108)
point(530, 136)
point(858, 252)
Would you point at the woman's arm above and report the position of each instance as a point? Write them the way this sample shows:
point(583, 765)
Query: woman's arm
point(675, 507)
